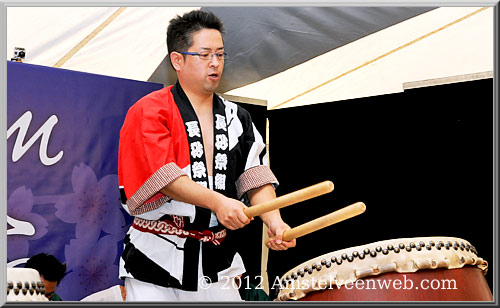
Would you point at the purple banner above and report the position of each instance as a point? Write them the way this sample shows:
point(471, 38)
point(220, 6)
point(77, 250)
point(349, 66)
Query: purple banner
point(63, 129)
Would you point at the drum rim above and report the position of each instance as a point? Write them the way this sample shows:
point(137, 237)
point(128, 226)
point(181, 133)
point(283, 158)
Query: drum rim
point(462, 253)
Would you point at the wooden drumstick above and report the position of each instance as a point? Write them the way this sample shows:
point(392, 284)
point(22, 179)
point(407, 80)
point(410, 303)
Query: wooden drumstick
point(289, 199)
point(324, 221)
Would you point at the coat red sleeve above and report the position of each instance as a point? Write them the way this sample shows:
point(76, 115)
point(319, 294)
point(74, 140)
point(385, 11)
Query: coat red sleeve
point(153, 150)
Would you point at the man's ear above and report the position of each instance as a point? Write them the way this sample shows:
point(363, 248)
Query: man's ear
point(177, 60)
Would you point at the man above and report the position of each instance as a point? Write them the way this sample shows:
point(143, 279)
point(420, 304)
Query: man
point(51, 272)
point(186, 158)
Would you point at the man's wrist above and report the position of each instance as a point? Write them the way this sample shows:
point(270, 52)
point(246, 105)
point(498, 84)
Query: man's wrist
point(271, 218)
point(213, 200)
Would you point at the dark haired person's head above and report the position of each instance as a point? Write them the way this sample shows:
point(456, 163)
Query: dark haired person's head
point(181, 29)
point(196, 52)
point(50, 269)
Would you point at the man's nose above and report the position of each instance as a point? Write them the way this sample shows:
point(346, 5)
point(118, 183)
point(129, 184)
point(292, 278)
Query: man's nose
point(214, 60)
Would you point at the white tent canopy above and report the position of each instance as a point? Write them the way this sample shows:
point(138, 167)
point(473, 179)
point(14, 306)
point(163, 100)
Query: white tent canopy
point(119, 42)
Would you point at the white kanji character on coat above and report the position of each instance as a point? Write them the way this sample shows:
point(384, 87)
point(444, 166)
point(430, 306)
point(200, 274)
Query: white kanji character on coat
point(221, 161)
point(199, 170)
point(220, 181)
point(196, 149)
point(220, 122)
point(193, 129)
point(221, 142)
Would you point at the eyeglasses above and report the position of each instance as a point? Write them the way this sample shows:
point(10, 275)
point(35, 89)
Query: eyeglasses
point(221, 55)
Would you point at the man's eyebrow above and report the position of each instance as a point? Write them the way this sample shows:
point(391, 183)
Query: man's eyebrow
point(206, 48)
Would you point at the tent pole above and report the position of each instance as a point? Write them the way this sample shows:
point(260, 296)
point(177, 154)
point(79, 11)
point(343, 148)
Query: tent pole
point(87, 39)
point(265, 249)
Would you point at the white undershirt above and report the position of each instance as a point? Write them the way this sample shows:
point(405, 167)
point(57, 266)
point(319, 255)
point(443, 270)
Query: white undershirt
point(213, 216)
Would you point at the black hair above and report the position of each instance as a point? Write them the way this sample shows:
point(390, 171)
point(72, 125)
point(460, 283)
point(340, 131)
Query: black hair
point(47, 266)
point(181, 28)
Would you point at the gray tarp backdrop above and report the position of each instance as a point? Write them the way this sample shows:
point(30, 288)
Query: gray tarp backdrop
point(264, 41)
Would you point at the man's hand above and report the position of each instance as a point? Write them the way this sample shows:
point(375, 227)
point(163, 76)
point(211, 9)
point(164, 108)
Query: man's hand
point(230, 213)
point(276, 226)
point(275, 232)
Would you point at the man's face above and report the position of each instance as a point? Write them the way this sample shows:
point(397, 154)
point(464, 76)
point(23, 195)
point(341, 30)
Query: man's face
point(203, 75)
point(50, 287)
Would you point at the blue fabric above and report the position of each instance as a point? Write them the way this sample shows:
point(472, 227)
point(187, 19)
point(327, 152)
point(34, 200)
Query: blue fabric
point(63, 183)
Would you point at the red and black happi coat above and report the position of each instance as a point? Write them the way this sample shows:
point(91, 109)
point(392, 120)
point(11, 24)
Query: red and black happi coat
point(161, 140)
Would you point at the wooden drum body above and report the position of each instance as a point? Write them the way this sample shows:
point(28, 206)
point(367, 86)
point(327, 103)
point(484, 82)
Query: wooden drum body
point(410, 269)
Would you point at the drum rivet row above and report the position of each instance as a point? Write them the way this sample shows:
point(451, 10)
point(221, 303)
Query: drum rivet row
point(37, 288)
point(373, 253)
point(338, 261)
point(308, 269)
point(326, 263)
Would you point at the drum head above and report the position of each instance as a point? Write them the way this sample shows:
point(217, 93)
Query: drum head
point(405, 255)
